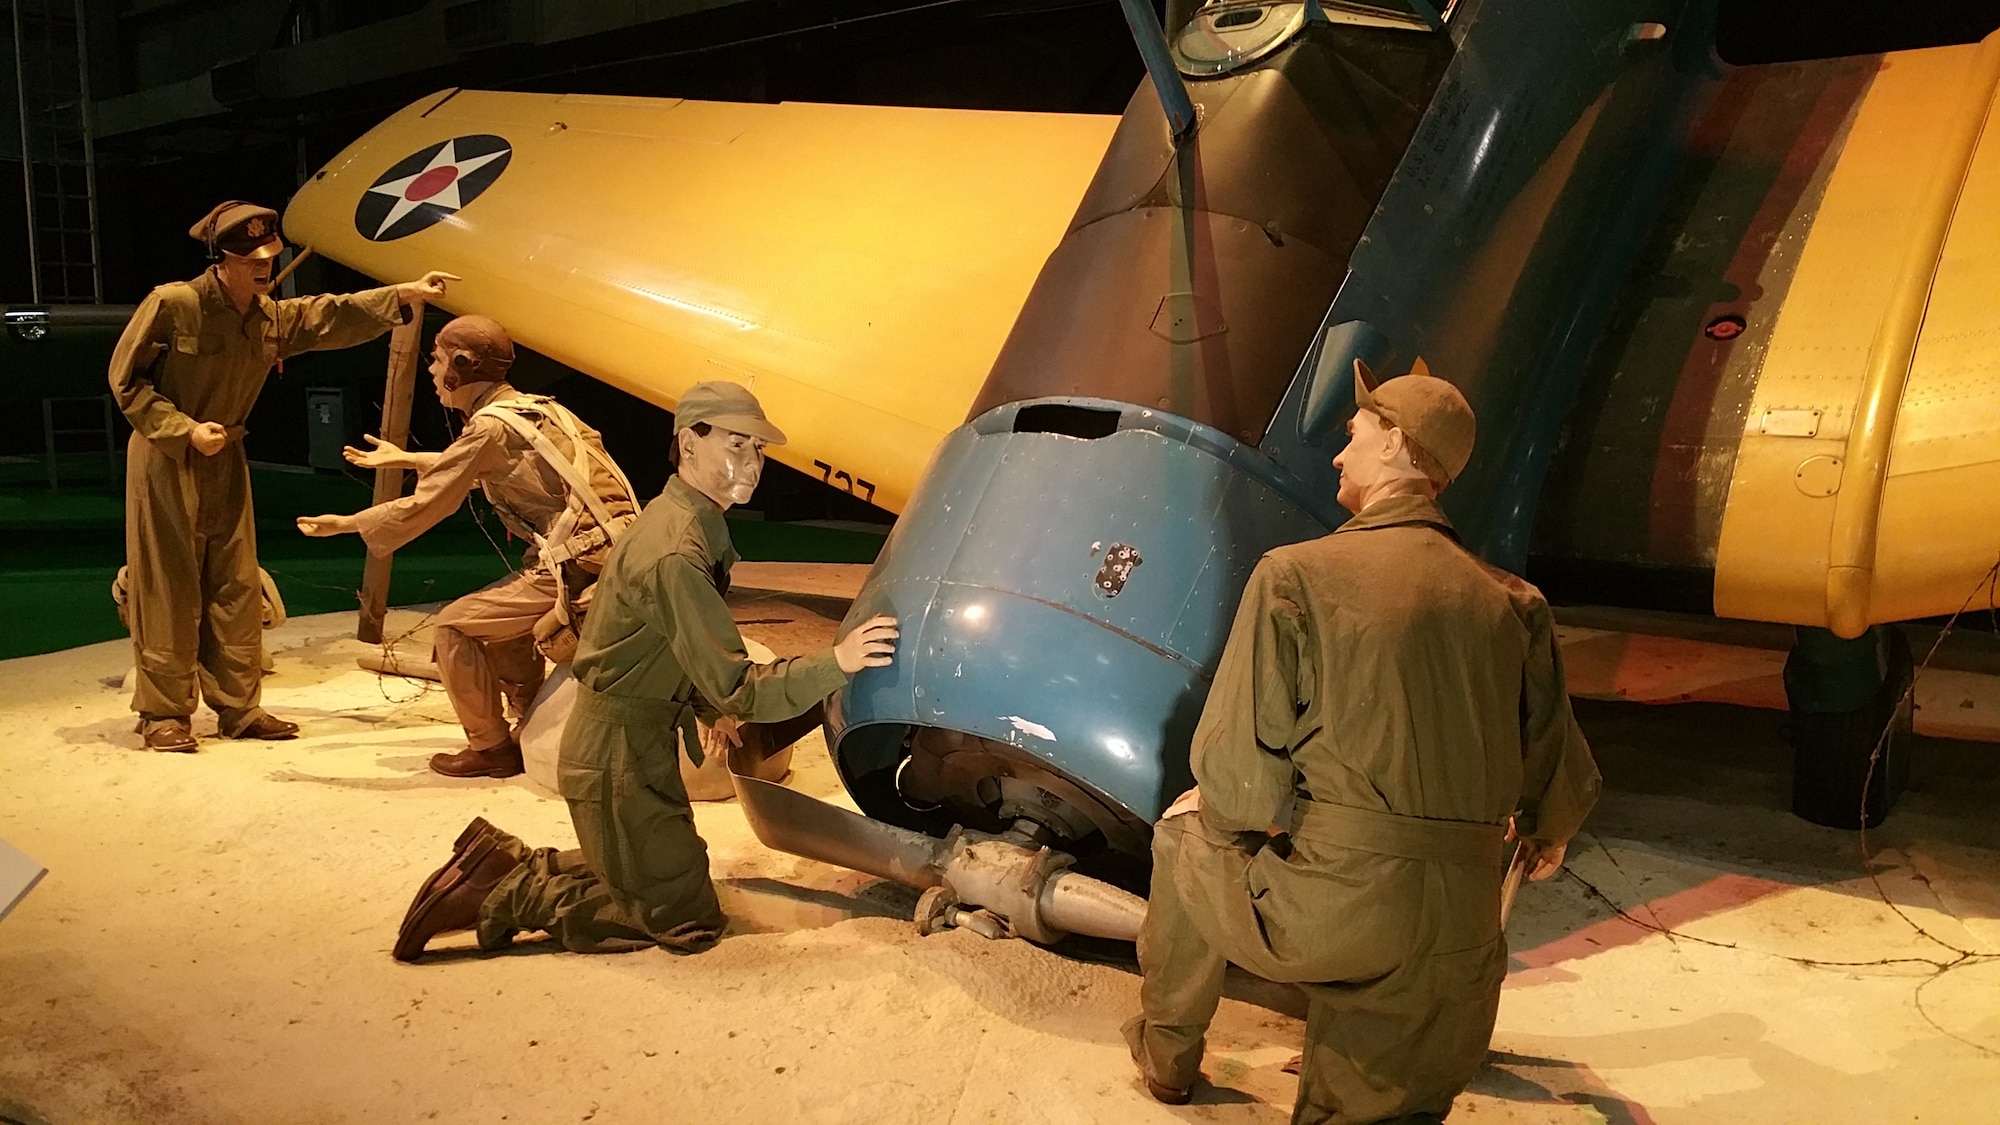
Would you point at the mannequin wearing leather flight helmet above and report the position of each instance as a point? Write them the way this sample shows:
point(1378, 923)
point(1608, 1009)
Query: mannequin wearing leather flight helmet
point(551, 482)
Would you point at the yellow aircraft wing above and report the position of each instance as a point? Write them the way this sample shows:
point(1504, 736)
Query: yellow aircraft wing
point(1867, 488)
point(857, 266)
point(1799, 393)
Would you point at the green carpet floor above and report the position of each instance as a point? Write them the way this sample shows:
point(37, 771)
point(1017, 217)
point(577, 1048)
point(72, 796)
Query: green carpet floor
point(62, 548)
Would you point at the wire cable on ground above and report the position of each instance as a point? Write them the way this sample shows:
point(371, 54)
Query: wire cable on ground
point(389, 644)
point(1961, 957)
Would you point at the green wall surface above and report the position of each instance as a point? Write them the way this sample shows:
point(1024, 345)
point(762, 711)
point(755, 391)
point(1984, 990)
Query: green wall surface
point(64, 546)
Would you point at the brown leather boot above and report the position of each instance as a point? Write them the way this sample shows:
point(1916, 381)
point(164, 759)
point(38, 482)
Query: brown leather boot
point(268, 727)
point(1134, 1030)
point(169, 736)
point(1168, 1095)
point(473, 830)
point(472, 833)
point(450, 899)
point(503, 760)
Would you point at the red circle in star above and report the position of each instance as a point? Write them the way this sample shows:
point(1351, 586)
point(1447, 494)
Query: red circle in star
point(430, 183)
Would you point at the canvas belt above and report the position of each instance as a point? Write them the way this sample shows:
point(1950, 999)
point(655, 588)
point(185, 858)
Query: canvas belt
point(579, 545)
point(626, 708)
point(563, 543)
point(1408, 837)
point(575, 473)
point(643, 710)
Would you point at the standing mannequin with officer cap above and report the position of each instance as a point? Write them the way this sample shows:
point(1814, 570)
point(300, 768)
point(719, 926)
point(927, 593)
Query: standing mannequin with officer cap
point(1388, 712)
point(659, 649)
point(551, 482)
point(186, 372)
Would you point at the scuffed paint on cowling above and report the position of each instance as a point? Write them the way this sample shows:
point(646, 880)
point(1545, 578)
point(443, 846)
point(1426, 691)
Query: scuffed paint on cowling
point(993, 574)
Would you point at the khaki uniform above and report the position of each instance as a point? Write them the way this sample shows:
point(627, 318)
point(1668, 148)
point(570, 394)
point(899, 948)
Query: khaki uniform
point(485, 640)
point(658, 646)
point(190, 536)
point(1389, 700)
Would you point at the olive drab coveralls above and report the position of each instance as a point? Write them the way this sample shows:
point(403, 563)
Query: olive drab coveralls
point(1389, 700)
point(658, 648)
point(485, 641)
point(187, 356)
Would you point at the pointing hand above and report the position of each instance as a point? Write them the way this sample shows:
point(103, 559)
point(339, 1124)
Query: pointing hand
point(426, 288)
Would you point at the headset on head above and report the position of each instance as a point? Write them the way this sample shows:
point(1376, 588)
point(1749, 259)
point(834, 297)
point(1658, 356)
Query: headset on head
point(461, 365)
point(211, 227)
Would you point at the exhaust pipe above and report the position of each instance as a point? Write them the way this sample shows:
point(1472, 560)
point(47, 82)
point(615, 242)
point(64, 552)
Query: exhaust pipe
point(789, 821)
point(1014, 890)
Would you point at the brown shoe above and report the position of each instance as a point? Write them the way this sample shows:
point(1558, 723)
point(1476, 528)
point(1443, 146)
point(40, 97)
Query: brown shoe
point(1134, 1031)
point(1168, 1095)
point(474, 832)
point(503, 760)
point(450, 899)
point(270, 728)
point(172, 736)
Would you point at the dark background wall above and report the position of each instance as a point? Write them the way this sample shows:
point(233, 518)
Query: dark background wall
point(207, 101)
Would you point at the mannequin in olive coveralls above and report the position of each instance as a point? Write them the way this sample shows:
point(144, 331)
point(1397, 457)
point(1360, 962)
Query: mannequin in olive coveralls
point(1385, 706)
point(186, 372)
point(658, 648)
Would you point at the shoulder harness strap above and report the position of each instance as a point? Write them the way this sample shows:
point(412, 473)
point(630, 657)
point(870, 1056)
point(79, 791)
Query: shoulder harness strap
point(575, 473)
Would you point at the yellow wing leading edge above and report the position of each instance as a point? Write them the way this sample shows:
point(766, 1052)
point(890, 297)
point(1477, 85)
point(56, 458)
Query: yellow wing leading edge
point(857, 266)
point(1867, 487)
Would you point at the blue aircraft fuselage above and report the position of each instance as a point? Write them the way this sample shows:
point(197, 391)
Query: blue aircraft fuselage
point(1168, 404)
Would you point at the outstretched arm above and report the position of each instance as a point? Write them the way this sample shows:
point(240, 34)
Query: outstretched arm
point(681, 603)
point(389, 455)
point(342, 320)
point(387, 527)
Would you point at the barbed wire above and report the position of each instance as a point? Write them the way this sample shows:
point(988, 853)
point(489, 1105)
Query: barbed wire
point(389, 644)
point(1989, 582)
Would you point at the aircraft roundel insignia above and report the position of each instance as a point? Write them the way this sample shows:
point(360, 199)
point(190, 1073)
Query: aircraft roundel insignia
point(430, 185)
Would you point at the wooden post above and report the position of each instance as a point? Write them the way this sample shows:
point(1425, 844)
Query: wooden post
point(404, 343)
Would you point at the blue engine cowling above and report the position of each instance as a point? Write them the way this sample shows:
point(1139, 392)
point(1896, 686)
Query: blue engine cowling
point(1065, 579)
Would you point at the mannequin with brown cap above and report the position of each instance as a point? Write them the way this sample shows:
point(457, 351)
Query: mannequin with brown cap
point(551, 482)
point(659, 648)
point(186, 372)
point(1388, 711)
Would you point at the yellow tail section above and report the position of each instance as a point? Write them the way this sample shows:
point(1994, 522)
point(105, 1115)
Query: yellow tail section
point(858, 267)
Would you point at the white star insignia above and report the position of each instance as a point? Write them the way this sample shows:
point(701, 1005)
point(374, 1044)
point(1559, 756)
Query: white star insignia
point(447, 197)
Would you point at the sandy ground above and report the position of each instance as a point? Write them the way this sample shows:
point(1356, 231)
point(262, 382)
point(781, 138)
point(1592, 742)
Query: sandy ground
point(212, 945)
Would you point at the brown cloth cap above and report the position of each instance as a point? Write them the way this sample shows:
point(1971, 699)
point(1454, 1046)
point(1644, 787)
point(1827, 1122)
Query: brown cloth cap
point(243, 229)
point(726, 406)
point(1428, 409)
point(479, 349)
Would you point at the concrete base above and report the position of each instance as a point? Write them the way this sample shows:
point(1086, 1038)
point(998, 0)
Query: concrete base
point(212, 945)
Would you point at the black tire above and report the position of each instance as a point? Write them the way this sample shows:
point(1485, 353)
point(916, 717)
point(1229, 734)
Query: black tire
point(1834, 755)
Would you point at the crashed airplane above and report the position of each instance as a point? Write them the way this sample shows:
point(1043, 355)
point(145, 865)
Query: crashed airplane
point(1728, 331)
